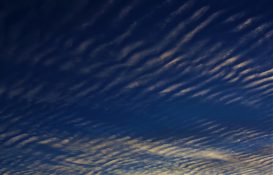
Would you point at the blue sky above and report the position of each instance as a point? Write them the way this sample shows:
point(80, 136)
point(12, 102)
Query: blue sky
point(136, 87)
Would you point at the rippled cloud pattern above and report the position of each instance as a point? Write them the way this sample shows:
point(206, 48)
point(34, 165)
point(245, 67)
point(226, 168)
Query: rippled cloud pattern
point(140, 87)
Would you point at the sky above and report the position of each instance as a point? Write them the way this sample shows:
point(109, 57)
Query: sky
point(140, 87)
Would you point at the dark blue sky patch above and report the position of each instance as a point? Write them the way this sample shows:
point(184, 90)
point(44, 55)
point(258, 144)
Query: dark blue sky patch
point(136, 87)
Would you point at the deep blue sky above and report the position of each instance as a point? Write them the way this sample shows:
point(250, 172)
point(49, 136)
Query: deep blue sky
point(136, 87)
